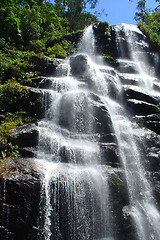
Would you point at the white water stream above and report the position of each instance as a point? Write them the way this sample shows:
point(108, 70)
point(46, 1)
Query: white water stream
point(75, 198)
point(138, 51)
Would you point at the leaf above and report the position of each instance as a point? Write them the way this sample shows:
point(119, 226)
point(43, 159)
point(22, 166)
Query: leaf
point(3, 154)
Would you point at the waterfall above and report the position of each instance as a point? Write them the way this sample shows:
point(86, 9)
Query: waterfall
point(84, 119)
point(87, 43)
point(132, 44)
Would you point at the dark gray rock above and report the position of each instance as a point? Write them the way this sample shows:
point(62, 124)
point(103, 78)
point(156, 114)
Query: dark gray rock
point(19, 200)
point(140, 101)
point(128, 79)
point(26, 135)
point(151, 121)
point(156, 86)
point(79, 64)
point(102, 119)
point(46, 83)
point(27, 152)
point(137, 93)
point(45, 65)
point(141, 108)
point(109, 153)
point(36, 97)
point(125, 66)
point(103, 37)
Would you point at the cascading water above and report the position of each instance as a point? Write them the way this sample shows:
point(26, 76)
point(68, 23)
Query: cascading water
point(132, 44)
point(76, 194)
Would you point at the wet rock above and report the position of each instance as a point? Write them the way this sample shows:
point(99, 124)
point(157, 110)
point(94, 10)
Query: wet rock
point(102, 119)
point(112, 86)
point(128, 79)
point(110, 155)
point(27, 152)
point(123, 225)
point(67, 118)
point(46, 83)
point(19, 200)
point(125, 66)
point(156, 86)
point(151, 121)
point(137, 93)
point(79, 64)
point(148, 58)
point(119, 38)
point(45, 65)
point(115, 51)
point(26, 135)
point(36, 97)
point(141, 107)
point(103, 37)
point(140, 101)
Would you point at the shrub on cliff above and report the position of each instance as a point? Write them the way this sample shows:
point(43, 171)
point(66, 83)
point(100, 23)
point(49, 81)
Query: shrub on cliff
point(13, 97)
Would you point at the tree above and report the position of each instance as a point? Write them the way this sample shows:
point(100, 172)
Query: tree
point(141, 7)
point(9, 21)
point(149, 22)
point(72, 10)
point(142, 10)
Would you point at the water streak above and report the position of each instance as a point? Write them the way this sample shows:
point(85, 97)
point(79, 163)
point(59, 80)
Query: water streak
point(132, 44)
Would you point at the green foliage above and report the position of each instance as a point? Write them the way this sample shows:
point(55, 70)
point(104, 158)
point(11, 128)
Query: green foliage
point(151, 27)
point(76, 14)
point(57, 51)
point(7, 149)
point(37, 45)
point(15, 64)
point(13, 97)
point(149, 22)
point(12, 120)
point(30, 21)
point(141, 7)
point(2, 43)
point(22, 22)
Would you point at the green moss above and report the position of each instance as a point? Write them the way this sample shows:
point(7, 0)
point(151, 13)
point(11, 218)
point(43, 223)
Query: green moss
point(14, 64)
point(13, 97)
point(116, 183)
point(11, 121)
point(108, 58)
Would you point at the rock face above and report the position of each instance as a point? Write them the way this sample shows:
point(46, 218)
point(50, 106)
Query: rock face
point(79, 65)
point(19, 200)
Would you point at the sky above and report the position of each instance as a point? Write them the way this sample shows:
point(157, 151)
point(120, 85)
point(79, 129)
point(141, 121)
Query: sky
point(119, 11)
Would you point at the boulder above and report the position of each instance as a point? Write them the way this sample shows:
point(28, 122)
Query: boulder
point(102, 33)
point(19, 201)
point(102, 120)
point(36, 97)
point(109, 154)
point(141, 108)
point(26, 135)
point(129, 79)
point(45, 65)
point(138, 93)
point(79, 65)
point(151, 122)
point(124, 66)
